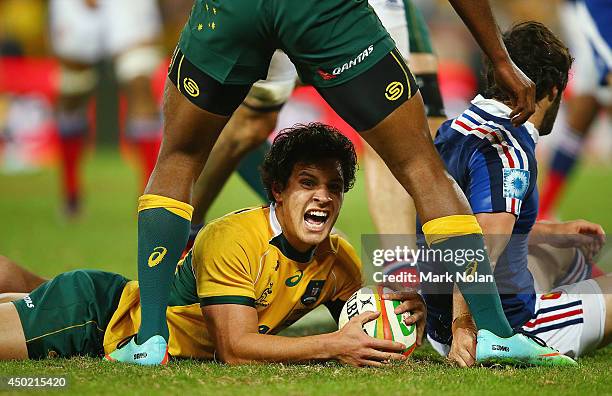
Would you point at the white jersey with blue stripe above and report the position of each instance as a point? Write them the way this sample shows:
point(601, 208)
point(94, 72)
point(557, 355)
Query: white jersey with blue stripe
point(494, 164)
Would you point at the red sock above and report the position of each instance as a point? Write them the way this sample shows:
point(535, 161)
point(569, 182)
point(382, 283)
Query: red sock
point(552, 188)
point(71, 150)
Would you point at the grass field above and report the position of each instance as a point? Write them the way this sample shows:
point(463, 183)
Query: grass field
point(33, 232)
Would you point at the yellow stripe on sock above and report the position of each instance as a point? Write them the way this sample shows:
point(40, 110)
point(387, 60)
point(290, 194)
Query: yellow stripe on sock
point(151, 201)
point(442, 228)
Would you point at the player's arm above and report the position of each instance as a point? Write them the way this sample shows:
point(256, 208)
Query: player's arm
point(478, 17)
point(234, 331)
point(581, 234)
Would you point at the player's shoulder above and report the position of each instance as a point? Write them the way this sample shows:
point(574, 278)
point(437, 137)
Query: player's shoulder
point(248, 225)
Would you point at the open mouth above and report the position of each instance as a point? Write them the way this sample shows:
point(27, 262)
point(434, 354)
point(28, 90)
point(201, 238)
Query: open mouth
point(315, 219)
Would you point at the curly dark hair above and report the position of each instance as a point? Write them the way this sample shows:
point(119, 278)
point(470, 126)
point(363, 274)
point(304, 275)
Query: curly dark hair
point(543, 57)
point(308, 144)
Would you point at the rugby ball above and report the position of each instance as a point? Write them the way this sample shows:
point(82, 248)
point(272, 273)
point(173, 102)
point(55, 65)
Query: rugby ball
point(388, 326)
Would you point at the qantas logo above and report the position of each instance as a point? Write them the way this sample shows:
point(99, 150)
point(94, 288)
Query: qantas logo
point(325, 75)
point(353, 62)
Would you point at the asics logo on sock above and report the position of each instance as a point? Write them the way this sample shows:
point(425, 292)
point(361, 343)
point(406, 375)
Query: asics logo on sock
point(140, 355)
point(157, 256)
point(471, 268)
point(500, 348)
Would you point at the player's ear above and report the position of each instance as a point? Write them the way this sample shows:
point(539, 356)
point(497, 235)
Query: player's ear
point(276, 192)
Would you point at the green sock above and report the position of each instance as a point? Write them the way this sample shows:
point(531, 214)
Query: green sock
point(463, 234)
point(248, 169)
point(163, 228)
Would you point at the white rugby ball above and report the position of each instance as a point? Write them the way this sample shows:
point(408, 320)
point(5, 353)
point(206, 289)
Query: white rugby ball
point(388, 326)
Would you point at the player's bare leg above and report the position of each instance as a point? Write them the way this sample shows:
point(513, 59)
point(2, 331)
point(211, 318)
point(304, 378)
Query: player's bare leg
point(391, 208)
point(245, 131)
point(189, 135)
point(12, 339)
point(404, 142)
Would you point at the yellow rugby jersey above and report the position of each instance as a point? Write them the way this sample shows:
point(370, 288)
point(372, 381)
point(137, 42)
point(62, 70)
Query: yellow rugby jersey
point(243, 258)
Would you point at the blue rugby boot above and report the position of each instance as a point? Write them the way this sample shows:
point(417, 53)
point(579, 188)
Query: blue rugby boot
point(522, 349)
point(153, 351)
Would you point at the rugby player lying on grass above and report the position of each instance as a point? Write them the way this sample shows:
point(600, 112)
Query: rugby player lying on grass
point(494, 163)
point(250, 274)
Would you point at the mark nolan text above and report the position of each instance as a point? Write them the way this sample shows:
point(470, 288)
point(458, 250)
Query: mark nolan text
point(430, 277)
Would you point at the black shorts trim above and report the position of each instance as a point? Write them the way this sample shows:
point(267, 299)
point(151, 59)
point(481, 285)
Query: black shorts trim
point(203, 90)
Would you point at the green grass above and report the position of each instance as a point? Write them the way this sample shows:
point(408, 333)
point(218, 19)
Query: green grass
point(33, 232)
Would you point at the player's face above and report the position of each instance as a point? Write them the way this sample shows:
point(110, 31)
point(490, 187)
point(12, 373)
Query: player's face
point(309, 205)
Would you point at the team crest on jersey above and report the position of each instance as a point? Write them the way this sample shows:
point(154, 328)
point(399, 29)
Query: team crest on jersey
point(516, 183)
point(313, 291)
point(261, 300)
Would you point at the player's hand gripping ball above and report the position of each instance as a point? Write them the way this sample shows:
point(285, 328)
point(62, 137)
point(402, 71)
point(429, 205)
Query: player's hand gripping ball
point(388, 325)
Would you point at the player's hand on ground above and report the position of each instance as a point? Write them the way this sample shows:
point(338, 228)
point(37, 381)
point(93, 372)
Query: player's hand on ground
point(520, 88)
point(411, 302)
point(354, 347)
point(463, 348)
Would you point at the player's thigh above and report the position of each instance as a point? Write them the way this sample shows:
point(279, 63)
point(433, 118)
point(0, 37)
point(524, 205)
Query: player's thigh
point(12, 339)
point(196, 106)
point(76, 31)
point(67, 315)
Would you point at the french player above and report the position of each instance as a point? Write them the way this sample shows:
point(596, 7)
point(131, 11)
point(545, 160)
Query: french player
point(494, 164)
